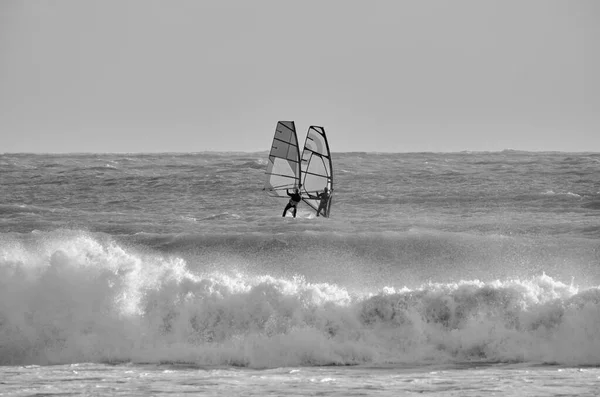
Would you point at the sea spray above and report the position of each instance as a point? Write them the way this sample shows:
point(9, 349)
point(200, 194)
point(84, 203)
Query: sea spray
point(72, 296)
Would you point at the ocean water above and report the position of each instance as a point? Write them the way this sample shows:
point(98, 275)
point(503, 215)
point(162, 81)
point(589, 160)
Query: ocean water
point(439, 273)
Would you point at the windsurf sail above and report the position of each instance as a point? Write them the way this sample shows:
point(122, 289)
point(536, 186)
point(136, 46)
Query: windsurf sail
point(317, 169)
point(283, 169)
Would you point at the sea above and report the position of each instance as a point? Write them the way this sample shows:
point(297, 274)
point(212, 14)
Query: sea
point(445, 274)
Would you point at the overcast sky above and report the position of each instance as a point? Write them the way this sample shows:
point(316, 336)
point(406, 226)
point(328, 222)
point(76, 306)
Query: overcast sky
point(188, 76)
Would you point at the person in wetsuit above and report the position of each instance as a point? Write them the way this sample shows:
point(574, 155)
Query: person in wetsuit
point(324, 196)
point(295, 198)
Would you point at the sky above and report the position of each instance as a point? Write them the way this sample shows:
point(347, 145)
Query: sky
point(380, 76)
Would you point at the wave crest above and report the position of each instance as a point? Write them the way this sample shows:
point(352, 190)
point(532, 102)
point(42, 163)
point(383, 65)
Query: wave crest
point(73, 297)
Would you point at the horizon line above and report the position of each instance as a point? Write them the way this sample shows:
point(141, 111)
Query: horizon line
point(465, 151)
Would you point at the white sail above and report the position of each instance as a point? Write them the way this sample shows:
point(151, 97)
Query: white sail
point(317, 168)
point(283, 169)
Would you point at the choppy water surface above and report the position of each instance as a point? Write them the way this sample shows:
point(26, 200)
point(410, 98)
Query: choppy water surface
point(455, 274)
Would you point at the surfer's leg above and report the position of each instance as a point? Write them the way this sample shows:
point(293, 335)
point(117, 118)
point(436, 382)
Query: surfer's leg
point(319, 210)
point(295, 208)
point(287, 207)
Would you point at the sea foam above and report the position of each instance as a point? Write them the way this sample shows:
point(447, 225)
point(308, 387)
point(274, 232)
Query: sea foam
point(70, 296)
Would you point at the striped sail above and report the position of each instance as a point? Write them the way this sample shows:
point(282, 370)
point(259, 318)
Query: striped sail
point(317, 169)
point(283, 169)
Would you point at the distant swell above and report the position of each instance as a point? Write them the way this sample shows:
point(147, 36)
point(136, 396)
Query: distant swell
point(70, 297)
point(592, 206)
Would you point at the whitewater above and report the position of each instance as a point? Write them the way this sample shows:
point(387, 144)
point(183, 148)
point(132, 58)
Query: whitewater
point(467, 273)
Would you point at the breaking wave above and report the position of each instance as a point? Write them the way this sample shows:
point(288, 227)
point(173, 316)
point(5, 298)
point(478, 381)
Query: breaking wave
point(70, 296)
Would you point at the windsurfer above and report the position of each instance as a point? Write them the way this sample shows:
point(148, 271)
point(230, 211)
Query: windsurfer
point(324, 196)
point(295, 198)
